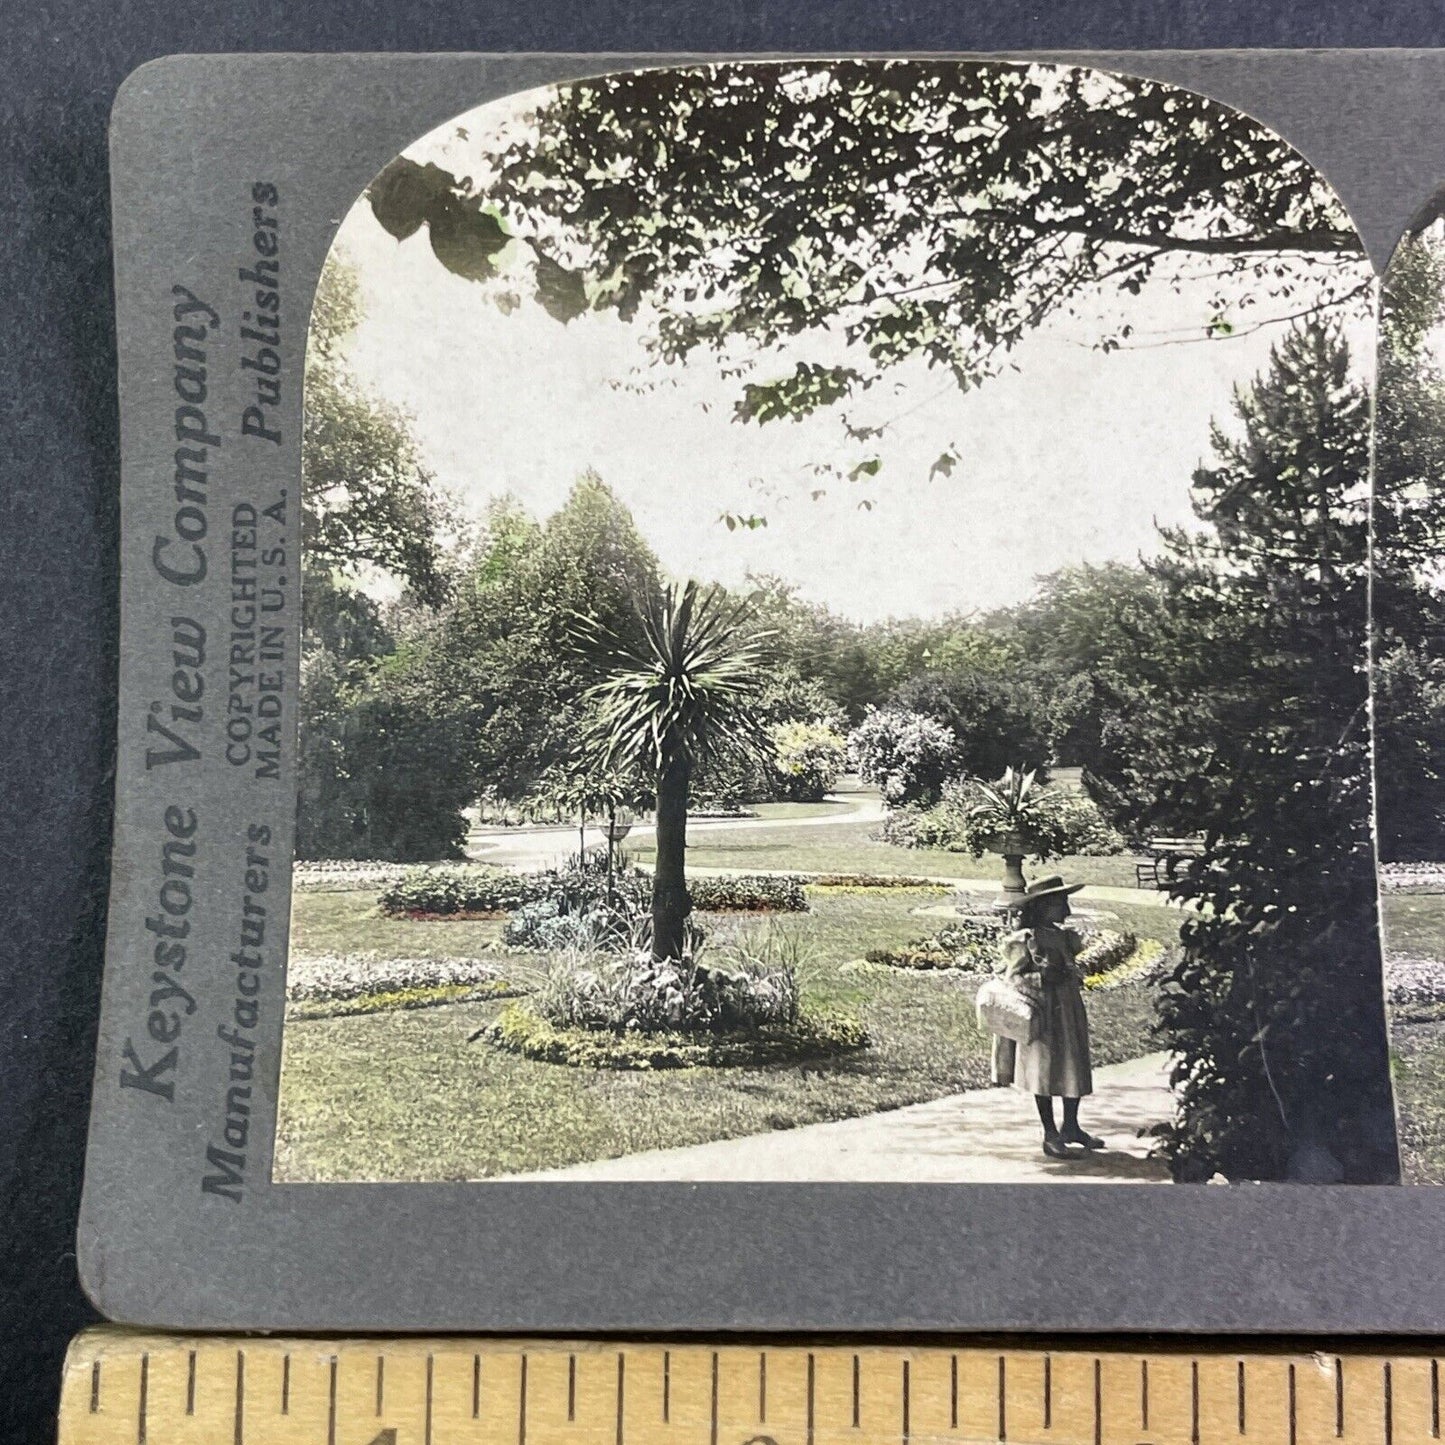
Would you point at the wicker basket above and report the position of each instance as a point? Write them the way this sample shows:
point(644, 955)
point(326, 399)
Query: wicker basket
point(1011, 1008)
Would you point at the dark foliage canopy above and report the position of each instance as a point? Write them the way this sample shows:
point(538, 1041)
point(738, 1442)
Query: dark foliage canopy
point(930, 210)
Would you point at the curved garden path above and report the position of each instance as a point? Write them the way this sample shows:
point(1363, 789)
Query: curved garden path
point(534, 847)
point(538, 847)
point(983, 1136)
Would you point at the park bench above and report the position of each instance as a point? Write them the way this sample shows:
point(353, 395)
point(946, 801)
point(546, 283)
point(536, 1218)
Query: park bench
point(1161, 867)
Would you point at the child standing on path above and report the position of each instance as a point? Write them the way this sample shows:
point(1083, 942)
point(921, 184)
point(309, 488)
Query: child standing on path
point(1041, 952)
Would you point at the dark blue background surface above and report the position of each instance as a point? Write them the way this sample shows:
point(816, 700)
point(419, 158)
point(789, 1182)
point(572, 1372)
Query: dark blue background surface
point(60, 64)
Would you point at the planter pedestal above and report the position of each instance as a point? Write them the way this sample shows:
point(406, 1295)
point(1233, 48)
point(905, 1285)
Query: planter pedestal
point(1011, 846)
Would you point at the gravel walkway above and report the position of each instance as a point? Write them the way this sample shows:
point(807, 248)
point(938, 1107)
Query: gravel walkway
point(984, 1136)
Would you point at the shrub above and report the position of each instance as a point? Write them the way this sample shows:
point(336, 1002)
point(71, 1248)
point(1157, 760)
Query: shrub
point(1085, 831)
point(1060, 823)
point(749, 893)
point(814, 1035)
point(542, 925)
point(754, 985)
point(996, 711)
point(458, 889)
point(576, 906)
point(808, 757)
point(907, 755)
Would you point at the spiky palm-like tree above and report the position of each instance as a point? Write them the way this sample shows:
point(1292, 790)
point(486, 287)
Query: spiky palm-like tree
point(684, 691)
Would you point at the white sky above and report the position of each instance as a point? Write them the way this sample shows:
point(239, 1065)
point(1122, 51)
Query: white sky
point(1072, 458)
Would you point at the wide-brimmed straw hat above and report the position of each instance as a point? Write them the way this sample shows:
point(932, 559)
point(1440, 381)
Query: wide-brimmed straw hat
point(1049, 887)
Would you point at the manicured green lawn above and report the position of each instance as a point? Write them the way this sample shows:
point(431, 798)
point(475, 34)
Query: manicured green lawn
point(1414, 924)
point(1144, 920)
point(848, 849)
point(405, 1095)
point(350, 923)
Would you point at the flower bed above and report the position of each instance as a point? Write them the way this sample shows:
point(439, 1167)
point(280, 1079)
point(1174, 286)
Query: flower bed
point(1414, 981)
point(478, 890)
point(324, 985)
point(1412, 878)
point(1147, 962)
point(1105, 950)
point(749, 893)
point(460, 890)
point(970, 943)
point(867, 882)
point(343, 875)
point(519, 1030)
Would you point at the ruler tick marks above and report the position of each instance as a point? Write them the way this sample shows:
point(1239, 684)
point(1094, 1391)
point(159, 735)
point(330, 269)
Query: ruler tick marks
point(476, 1386)
point(857, 1389)
point(1002, 1398)
point(763, 1389)
point(286, 1384)
point(1194, 1402)
point(94, 1386)
point(571, 1388)
point(430, 1368)
point(1048, 1392)
point(380, 1382)
point(907, 1404)
point(1239, 1388)
point(1293, 1418)
point(191, 1383)
point(1098, 1401)
point(1434, 1398)
point(953, 1391)
point(621, 1391)
point(712, 1428)
point(666, 1386)
point(331, 1407)
point(140, 1424)
point(1144, 1394)
point(240, 1431)
point(811, 1380)
point(522, 1405)
point(1389, 1405)
point(1339, 1397)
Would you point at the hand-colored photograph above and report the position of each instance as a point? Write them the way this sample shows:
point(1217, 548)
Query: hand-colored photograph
point(836, 643)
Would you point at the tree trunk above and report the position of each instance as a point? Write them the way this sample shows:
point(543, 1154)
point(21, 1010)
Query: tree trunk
point(670, 901)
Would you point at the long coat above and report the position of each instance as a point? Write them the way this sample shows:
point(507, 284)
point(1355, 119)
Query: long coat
point(1057, 1063)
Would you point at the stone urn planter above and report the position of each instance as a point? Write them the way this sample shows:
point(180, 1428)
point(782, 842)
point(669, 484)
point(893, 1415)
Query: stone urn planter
point(1013, 847)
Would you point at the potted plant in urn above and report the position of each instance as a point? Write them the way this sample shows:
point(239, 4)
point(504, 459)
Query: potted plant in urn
point(1014, 817)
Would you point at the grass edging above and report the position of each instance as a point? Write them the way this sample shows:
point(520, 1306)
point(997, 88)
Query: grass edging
point(819, 1034)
